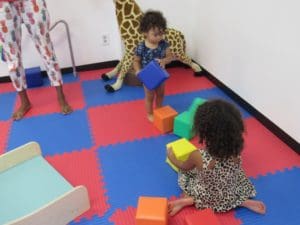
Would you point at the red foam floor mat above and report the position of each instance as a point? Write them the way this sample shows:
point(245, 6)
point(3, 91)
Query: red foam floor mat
point(4, 133)
point(183, 80)
point(264, 152)
point(6, 87)
point(93, 74)
point(121, 122)
point(127, 217)
point(83, 168)
point(44, 99)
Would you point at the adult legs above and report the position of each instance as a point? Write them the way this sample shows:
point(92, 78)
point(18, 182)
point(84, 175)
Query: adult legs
point(36, 18)
point(10, 38)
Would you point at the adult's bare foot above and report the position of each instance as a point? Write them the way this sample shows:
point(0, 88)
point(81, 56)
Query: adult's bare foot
point(65, 108)
point(21, 111)
point(255, 206)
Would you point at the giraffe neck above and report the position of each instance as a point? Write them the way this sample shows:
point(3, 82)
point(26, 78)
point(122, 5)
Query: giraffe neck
point(129, 15)
point(127, 10)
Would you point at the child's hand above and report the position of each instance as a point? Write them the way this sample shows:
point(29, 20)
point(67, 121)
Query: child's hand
point(137, 72)
point(171, 154)
point(161, 62)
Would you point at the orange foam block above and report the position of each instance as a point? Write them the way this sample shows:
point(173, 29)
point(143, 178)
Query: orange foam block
point(203, 217)
point(164, 118)
point(152, 211)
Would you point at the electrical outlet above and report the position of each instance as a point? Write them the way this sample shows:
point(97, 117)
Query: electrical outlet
point(105, 39)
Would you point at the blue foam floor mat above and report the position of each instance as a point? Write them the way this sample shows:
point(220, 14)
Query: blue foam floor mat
point(280, 193)
point(7, 104)
point(96, 95)
point(126, 180)
point(67, 78)
point(138, 167)
point(56, 133)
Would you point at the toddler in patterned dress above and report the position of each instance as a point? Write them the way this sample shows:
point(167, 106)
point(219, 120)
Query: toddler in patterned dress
point(153, 26)
point(213, 177)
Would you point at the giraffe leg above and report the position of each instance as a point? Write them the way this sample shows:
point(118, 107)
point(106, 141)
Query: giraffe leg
point(187, 60)
point(128, 60)
point(112, 73)
point(115, 86)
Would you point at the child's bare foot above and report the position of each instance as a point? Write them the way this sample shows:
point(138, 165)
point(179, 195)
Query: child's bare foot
point(255, 206)
point(175, 206)
point(21, 111)
point(150, 117)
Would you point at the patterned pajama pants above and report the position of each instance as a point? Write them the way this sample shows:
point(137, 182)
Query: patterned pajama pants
point(35, 16)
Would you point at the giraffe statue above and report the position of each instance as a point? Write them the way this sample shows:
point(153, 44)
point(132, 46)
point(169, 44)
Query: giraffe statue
point(129, 15)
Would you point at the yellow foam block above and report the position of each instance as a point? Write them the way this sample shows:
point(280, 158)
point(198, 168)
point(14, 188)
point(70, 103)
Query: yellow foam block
point(182, 149)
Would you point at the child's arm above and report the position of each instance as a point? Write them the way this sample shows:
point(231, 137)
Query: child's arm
point(169, 58)
point(194, 160)
point(137, 64)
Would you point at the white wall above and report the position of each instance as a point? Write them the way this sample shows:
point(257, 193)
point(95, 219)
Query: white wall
point(251, 46)
point(88, 21)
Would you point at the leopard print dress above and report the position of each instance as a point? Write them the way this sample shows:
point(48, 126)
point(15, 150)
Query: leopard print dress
point(221, 188)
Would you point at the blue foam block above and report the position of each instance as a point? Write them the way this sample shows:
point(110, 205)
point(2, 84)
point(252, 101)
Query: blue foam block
point(34, 77)
point(153, 75)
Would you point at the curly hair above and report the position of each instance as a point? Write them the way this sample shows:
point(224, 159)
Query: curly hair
point(152, 19)
point(220, 126)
